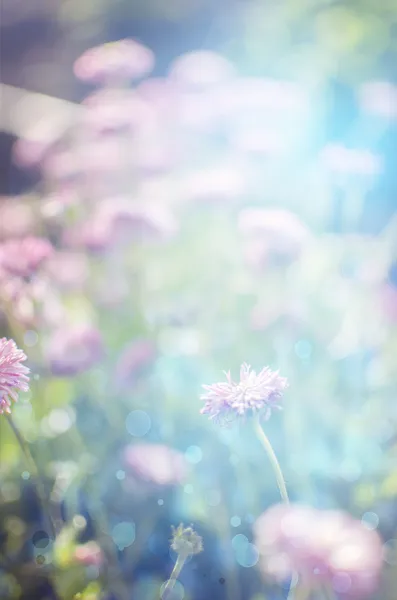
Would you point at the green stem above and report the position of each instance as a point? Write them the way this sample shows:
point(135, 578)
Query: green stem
point(35, 473)
point(169, 586)
point(262, 437)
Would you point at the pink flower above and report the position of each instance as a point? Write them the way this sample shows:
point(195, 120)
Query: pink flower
point(119, 219)
point(152, 466)
point(254, 393)
point(73, 350)
point(23, 257)
point(89, 554)
point(113, 111)
point(16, 218)
point(321, 546)
point(124, 59)
point(201, 69)
point(69, 270)
point(13, 375)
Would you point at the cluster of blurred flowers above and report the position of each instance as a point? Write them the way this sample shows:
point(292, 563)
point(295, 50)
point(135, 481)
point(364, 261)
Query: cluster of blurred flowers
point(156, 232)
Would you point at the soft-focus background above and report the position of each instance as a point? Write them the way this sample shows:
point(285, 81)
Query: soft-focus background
point(233, 201)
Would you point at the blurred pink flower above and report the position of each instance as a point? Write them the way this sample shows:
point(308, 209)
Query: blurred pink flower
point(253, 394)
point(160, 93)
point(271, 234)
point(125, 220)
point(16, 218)
point(134, 359)
point(380, 98)
point(73, 350)
point(121, 60)
point(347, 161)
point(69, 270)
point(29, 153)
point(112, 111)
point(215, 184)
point(321, 546)
point(150, 466)
point(200, 69)
point(13, 375)
point(89, 554)
point(24, 256)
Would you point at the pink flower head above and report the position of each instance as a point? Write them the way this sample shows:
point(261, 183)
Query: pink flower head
point(120, 220)
point(122, 60)
point(135, 358)
point(152, 466)
point(13, 375)
point(69, 270)
point(16, 218)
point(89, 554)
point(23, 257)
point(321, 546)
point(254, 393)
point(74, 350)
point(201, 69)
point(112, 111)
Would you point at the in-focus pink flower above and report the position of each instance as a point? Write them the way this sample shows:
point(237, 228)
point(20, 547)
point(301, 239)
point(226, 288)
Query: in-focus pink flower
point(321, 546)
point(200, 69)
point(151, 466)
point(73, 350)
point(253, 394)
point(134, 359)
point(89, 554)
point(23, 257)
point(121, 60)
point(13, 375)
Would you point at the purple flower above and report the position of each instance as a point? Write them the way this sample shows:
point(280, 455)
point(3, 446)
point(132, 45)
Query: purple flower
point(122, 60)
point(23, 257)
point(321, 546)
point(254, 393)
point(74, 350)
point(13, 375)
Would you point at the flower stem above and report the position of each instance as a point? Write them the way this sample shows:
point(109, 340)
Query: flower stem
point(169, 586)
point(34, 471)
point(262, 437)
